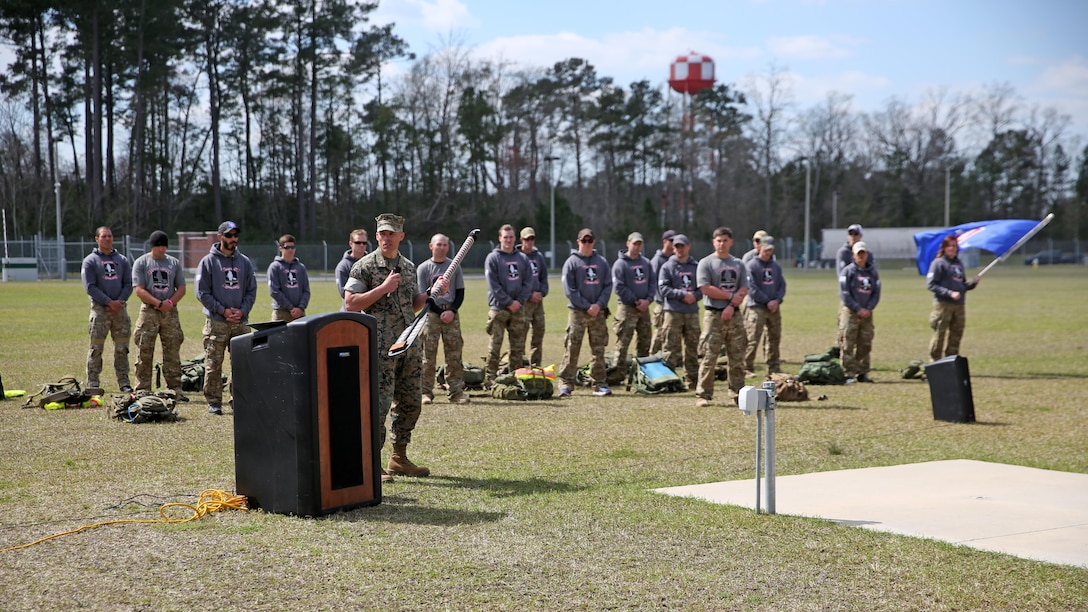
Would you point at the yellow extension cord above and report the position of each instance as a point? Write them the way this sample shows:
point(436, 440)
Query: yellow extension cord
point(211, 500)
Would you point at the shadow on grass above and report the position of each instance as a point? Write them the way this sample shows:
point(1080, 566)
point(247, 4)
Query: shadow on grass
point(499, 487)
point(404, 510)
point(1035, 376)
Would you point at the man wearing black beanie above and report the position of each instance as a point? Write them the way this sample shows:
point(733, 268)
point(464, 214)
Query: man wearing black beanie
point(160, 284)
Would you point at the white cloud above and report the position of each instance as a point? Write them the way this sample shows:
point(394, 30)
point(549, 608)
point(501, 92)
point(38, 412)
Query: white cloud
point(437, 16)
point(812, 47)
point(1067, 77)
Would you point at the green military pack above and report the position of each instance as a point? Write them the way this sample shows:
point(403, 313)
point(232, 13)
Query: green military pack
point(914, 370)
point(144, 406)
point(473, 378)
point(66, 390)
point(521, 388)
point(822, 369)
point(613, 374)
point(192, 374)
point(651, 375)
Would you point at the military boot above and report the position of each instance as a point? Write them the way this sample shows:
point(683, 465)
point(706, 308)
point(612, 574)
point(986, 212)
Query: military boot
point(399, 463)
point(387, 477)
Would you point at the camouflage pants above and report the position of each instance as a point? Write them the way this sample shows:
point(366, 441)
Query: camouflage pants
point(399, 392)
point(534, 320)
point(578, 324)
point(499, 323)
point(857, 343)
point(628, 322)
point(152, 324)
point(452, 343)
point(946, 320)
point(718, 334)
point(282, 315)
point(217, 335)
point(755, 319)
point(681, 344)
point(657, 317)
point(118, 326)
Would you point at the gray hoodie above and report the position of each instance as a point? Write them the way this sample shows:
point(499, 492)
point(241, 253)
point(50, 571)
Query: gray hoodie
point(224, 282)
point(587, 281)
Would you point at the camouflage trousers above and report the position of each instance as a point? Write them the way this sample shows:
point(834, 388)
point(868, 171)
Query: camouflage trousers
point(282, 315)
point(534, 320)
point(499, 323)
point(857, 342)
point(399, 392)
point(946, 320)
point(217, 335)
point(628, 322)
point(152, 324)
point(657, 317)
point(756, 318)
point(118, 326)
point(681, 344)
point(579, 323)
point(452, 343)
point(719, 334)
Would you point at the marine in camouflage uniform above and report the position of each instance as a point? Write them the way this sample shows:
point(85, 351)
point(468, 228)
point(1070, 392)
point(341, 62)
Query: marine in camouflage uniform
point(657, 316)
point(766, 291)
point(385, 285)
point(107, 279)
point(948, 282)
point(635, 284)
point(534, 307)
point(859, 290)
point(587, 283)
point(226, 286)
point(677, 283)
point(723, 281)
point(443, 324)
point(160, 284)
point(509, 286)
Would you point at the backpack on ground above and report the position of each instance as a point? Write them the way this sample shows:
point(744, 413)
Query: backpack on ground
point(525, 384)
point(192, 374)
point(67, 391)
point(144, 406)
point(613, 376)
point(914, 370)
point(473, 377)
point(787, 388)
point(822, 369)
point(651, 375)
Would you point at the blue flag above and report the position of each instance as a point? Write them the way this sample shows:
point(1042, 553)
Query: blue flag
point(993, 236)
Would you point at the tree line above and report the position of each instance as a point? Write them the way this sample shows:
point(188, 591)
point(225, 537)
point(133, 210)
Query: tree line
point(176, 114)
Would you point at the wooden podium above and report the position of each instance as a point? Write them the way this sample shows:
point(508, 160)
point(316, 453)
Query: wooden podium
point(306, 440)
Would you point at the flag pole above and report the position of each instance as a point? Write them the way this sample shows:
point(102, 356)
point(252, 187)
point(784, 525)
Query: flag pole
point(1019, 243)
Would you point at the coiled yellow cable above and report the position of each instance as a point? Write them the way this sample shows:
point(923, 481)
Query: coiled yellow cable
point(210, 500)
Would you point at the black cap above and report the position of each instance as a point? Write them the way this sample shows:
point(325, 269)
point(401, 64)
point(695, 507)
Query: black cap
point(668, 235)
point(159, 238)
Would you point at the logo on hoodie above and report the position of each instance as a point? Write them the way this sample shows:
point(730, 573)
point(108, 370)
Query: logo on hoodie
point(109, 270)
point(292, 279)
point(230, 278)
point(640, 274)
point(592, 278)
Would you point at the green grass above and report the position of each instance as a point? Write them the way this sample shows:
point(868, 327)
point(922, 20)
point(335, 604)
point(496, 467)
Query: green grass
point(548, 505)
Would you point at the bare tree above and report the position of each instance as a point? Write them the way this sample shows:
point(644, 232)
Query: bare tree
point(771, 97)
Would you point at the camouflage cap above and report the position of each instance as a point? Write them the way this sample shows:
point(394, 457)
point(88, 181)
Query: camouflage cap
point(390, 222)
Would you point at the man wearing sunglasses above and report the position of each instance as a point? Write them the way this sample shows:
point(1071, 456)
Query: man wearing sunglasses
point(356, 249)
point(534, 308)
point(587, 282)
point(288, 283)
point(680, 290)
point(226, 286)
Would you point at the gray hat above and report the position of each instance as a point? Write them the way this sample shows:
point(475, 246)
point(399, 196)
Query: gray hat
point(668, 235)
point(680, 239)
point(854, 228)
point(227, 226)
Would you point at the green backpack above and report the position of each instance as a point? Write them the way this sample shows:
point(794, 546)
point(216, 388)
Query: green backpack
point(822, 369)
point(613, 376)
point(511, 387)
point(650, 376)
point(144, 406)
point(192, 374)
point(914, 370)
point(473, 378)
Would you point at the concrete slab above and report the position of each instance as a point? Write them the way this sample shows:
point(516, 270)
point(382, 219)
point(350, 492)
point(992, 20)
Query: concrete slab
point(1021, 511)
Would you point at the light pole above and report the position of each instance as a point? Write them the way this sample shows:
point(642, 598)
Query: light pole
point(551, 179)
point(61, 264)
point(808, 201)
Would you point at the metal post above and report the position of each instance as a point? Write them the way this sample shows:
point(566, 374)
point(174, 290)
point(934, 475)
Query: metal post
point(947, 194)
point(808, 190)
point(769, 455)
point(56, 191)
point(759, 453)
point(551, 179)
point(835, 208)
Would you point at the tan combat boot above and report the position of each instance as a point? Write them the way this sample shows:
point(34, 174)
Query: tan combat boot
point(399, 463)
point(387, 477)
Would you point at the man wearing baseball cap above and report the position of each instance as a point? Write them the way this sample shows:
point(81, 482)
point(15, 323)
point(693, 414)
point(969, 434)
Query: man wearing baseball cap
point(533, 309)
point(159, 282)
point(859, 290)
point(752, 254)
point(658, 309)
point(635, 284)
point(226, 286)
point(843, 258)
point(587, 284)
point(766, 291)
point(677, 282)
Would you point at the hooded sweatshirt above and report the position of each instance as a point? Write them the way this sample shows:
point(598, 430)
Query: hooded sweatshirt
point(634, 279)
point(288, 284)
point(343, 270)
point(587, 281)
point(106, 277)
point(509, 277)
point(225, 281)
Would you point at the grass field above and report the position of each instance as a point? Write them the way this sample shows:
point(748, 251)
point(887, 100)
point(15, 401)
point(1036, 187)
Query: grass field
point(548, 505)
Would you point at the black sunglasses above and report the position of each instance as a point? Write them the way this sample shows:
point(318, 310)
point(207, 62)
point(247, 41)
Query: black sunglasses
point(230, 235)
point(287, 247)
point(358, 241)
point(588, 240)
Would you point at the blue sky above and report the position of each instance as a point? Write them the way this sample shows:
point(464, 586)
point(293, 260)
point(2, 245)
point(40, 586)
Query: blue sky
point(873, 50)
